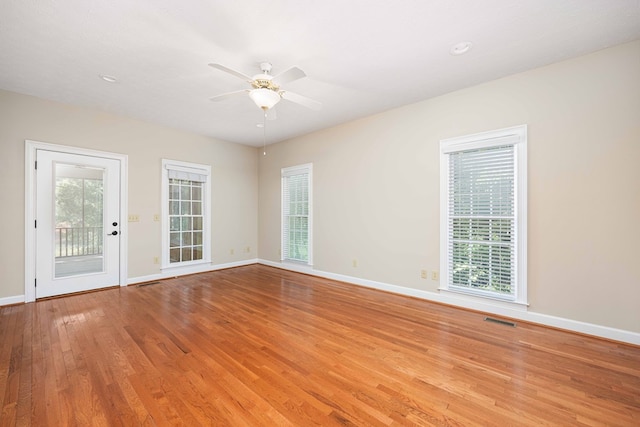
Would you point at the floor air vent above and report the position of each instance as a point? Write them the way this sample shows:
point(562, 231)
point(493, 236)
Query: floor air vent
point(500, 321)
point(148, 284)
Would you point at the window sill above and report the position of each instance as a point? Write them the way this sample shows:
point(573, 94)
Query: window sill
point(295, 262)
point(484, 299)
point(194, 266)
point(299, 266)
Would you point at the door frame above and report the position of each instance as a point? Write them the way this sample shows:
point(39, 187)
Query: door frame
point(31, 148)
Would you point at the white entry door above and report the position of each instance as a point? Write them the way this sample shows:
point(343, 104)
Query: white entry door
point(77, 223)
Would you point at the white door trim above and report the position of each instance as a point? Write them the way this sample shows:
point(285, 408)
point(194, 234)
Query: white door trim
point(30, 209)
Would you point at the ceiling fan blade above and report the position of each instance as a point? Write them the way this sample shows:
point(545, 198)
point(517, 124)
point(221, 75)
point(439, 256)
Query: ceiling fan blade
point(232, 72)
point(224, 96)
point(293, 73)
point(302, 100)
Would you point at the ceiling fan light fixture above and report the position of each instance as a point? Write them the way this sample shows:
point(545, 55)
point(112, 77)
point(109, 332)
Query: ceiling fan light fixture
point(264, 98)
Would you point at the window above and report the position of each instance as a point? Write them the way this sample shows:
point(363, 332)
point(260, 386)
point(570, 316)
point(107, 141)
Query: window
point(483, 214)
point(296, 214)
point(186, 213)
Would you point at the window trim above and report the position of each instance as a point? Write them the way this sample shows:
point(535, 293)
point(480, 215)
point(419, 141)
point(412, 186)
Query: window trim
point(203, 171)
point(291, 171)
point(516, 136)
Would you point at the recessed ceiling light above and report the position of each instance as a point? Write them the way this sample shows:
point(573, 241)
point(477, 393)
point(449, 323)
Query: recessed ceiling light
point(109, 79)
point(460, 48)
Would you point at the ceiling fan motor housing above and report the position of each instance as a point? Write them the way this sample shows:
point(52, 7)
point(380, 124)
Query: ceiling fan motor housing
point(263, 81)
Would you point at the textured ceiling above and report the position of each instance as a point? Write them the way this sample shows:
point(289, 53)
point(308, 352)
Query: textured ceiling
point(360, 56)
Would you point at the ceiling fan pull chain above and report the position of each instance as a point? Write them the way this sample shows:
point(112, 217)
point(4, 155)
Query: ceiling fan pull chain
point(264, 133)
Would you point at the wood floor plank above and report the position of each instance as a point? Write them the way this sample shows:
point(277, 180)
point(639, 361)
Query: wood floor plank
point(10, 353)
point(25, 367)
point(259, 346)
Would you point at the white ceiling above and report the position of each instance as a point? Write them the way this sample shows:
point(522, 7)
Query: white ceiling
point(360, 56)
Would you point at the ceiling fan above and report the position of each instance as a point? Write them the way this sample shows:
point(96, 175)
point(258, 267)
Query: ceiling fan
point(266, 89)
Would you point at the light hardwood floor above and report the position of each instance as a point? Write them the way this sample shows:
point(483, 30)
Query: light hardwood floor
point(258, 346)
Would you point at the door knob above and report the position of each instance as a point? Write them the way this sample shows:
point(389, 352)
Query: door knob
point(115, 223)
point(114, 233)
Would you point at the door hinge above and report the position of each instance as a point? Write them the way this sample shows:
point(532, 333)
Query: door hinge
point(35, 283)
point(35, 223)
point(36, 165)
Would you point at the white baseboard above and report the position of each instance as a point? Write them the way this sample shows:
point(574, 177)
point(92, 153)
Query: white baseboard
point(490, 307)
point(12, 300)
point(152, 277)
point(182, 271)
point(445, 298)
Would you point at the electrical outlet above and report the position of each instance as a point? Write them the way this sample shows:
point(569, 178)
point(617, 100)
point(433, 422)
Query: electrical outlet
point(434, 275)
point(156, 260)
point(231, 251)
point(134, 218)
point(354, 263)
point(247, 249)
point(156, 217)
point(423, 274)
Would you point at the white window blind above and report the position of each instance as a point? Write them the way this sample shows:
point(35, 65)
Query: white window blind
point(484, 214)
point(481, 220)
point(186, 173)
point(296, 218)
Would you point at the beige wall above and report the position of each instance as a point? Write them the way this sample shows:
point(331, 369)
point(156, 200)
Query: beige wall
point(234, 179)
point(376, 185)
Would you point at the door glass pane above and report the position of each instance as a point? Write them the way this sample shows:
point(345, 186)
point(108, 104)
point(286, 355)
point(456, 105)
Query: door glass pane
point(185, 217)
point(79, 234)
